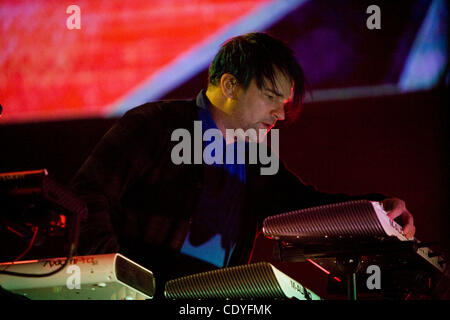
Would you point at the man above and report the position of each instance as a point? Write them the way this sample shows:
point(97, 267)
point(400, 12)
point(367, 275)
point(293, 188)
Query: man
point(181, 218)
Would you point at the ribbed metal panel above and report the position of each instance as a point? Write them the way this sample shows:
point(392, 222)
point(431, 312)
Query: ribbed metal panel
point(242, 282)
point(351, 219)
point(61, 195)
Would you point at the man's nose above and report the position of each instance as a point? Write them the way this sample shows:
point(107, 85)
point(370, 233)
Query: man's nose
point(279, 112)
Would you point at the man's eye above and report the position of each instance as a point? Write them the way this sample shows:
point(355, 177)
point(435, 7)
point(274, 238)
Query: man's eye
point(270, 97)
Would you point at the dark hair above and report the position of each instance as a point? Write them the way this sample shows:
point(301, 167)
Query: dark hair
point(256, 55)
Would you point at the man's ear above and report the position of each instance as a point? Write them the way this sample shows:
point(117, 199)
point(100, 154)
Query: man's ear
point(228, 85)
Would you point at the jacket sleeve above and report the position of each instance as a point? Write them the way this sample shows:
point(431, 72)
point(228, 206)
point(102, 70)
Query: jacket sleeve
point(120, 157)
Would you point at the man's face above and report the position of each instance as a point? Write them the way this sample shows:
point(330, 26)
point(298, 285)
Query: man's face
point(260, 108)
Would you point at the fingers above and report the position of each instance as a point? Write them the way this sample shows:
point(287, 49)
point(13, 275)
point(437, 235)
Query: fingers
point(408, 227)
point(394, 213)
point(409, 230)
point(397, 208)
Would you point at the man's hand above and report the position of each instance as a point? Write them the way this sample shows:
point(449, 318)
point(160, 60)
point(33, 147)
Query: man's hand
point(396, 208)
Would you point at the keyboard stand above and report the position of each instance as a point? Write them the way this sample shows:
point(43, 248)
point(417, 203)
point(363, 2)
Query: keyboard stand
point(347, 254)
point(349, 265)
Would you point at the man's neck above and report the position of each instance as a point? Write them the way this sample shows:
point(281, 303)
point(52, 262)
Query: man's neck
point(220, 114)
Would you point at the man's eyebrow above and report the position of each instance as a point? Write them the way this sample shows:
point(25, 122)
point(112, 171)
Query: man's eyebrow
point(274, 92)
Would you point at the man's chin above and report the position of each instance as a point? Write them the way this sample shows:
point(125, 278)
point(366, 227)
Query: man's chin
point(261, 136)
point(252, 135)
